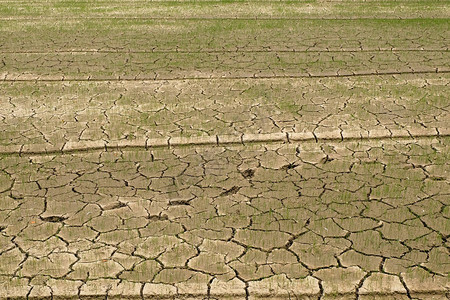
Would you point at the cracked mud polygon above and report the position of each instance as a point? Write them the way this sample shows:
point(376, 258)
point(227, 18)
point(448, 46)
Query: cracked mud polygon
point(224, 149)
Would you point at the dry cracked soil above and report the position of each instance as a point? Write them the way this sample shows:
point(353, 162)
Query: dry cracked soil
point(224, 149)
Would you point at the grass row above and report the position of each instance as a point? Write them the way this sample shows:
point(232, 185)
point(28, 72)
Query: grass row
point(228, 8)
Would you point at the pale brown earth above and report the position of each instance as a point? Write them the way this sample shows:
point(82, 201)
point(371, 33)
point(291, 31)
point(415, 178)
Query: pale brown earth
point(311, 219)
point(224, 150)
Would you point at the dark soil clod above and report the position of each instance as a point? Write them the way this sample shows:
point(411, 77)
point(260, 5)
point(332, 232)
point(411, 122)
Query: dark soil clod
point(178, 202)
point(249, 173)
point(54, 219)
point(116, 206)
point(158, 218)
point(289, 166)
point(231, 191)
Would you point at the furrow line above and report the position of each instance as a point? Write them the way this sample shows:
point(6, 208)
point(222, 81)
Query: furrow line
point(222, 140)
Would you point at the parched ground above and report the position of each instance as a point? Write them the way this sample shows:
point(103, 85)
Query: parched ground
point(224, 149)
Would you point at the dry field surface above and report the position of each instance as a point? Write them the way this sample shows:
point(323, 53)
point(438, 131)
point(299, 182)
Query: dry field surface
point(224, 149)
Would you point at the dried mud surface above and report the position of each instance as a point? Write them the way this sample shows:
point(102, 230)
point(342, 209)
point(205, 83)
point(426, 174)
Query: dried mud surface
point(46, 116)
point(352, 219)
point(224, 150)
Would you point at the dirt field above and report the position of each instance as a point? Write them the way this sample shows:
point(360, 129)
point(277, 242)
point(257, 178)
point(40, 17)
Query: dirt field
point(224, 149)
